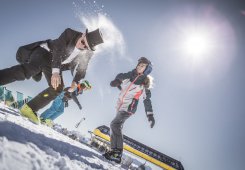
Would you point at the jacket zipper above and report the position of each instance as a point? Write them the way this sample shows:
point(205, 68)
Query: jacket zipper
point(127, 91)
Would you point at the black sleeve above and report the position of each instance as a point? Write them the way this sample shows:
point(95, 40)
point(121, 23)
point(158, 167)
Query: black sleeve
point(147, 101)
point(123, 76)
point(67, 95)
point(75, 99)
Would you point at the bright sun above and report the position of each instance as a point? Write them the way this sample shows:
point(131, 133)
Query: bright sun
point(197, 44)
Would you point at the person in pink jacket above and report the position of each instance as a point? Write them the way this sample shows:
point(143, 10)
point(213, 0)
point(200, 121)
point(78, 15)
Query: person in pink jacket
point(132, 85)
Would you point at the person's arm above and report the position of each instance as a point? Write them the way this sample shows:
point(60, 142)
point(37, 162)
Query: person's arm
point(123, 76)
point(57, 53)
point(119, 78)
point(79, 71)
point(75, 99)
point(148, 107)
point(80, 74)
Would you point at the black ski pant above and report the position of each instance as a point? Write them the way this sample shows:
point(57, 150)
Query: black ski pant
point(40, 61)
point(116, 130)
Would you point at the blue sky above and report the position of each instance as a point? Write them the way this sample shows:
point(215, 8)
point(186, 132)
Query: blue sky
point(198, 100)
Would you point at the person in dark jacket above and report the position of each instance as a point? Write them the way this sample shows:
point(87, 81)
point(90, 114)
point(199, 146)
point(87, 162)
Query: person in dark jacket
point(61, 101)
point(132, 85)
point(72, 50)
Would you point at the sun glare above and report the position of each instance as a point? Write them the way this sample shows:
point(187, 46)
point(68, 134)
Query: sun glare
point(197, 44)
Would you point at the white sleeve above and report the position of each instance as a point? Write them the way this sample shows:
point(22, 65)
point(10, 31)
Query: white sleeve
point(55, 70)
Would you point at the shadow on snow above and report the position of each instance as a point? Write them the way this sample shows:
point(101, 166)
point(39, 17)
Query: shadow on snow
point(19, 134)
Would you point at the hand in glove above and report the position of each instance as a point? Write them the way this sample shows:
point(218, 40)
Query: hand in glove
point(151, 120)
point(80, 107)
point(66, 103)
point(115, 83)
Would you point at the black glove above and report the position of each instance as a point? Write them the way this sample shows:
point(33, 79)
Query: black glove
point(66, 103)
point(115, 83)
point(151, 120)
point(80, 107)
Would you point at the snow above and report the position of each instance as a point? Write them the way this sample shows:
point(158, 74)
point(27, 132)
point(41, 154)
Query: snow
point(24, 145)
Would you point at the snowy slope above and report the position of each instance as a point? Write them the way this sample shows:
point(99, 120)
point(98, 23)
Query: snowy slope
point(24, 145)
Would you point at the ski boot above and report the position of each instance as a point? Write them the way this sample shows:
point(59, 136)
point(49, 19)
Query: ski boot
point(26, 111)
point(47, 122)
point(114, 155)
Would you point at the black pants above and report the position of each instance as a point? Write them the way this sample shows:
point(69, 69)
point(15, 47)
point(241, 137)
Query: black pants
point(40, 61)
point(116, 130)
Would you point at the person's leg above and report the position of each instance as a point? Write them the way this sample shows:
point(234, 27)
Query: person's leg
point(116, 130)
point(59, 107)
point(42, 99)
point(25, 70)
point(115, 154)
point(49, 94)
point(58, 112)
point(50, 111)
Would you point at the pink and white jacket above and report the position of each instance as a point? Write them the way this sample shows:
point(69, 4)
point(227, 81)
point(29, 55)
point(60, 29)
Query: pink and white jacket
point(132, 87)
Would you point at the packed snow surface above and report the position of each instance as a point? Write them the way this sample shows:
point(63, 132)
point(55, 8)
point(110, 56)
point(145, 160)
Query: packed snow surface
point(24, 145)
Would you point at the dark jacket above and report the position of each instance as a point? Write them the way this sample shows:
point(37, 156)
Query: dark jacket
point(23, 54)
point(61, 48)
